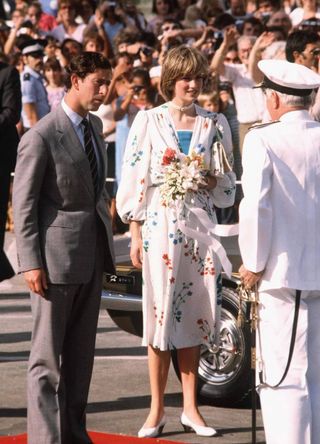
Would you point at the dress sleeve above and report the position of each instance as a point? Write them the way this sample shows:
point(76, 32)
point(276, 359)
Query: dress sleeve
point(131, 195)
point(224, 192)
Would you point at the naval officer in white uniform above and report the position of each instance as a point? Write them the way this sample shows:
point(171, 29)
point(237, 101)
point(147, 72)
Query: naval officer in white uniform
point(280, 247)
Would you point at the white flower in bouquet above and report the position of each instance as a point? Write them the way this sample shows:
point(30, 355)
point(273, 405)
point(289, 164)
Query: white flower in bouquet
point(181, 175)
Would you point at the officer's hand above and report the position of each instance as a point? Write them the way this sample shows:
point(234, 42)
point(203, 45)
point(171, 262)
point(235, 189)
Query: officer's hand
point(249, 278)
point(36, 280)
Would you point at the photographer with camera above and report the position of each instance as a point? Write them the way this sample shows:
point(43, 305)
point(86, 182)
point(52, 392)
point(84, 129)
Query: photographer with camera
point(249, 102)
point(209, 41)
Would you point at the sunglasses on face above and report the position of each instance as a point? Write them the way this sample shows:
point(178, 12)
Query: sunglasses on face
point(315, 53)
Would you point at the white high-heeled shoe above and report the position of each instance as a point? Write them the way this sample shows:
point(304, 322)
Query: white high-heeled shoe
point(152, 432)
point(199, 430)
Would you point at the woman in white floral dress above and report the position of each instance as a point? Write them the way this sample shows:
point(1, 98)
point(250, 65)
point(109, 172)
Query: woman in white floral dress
point(170, 228)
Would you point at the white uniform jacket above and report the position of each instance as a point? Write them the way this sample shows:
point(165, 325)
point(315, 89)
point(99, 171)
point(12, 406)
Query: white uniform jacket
point(280, 212)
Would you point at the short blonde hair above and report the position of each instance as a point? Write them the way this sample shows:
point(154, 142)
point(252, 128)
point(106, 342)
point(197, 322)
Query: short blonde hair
point(181, 61)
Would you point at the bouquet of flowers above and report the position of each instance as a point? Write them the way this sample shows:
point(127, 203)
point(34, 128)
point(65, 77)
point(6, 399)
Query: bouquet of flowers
point(181, 174)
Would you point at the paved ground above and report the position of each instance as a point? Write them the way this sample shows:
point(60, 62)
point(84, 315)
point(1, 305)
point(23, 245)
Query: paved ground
point(119, 395)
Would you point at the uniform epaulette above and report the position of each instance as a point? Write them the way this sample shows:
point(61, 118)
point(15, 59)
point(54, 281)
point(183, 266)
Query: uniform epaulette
point(26, 76)
point(262, 125)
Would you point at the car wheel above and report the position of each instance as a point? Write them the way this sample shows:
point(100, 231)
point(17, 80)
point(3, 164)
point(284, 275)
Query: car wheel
point(224, 373)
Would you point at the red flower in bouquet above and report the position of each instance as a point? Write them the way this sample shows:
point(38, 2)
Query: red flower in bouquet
point(169, 156)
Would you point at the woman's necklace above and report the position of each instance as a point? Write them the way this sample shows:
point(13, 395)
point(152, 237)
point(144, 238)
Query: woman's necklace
point(181, 108)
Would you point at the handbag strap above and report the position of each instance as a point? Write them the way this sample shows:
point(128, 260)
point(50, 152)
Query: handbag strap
point(291, 348)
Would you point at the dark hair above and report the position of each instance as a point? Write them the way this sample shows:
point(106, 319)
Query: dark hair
point(50, 39)
point(148, 38)
point(298, 40)
point(143, 74)
point(85, 64)
point(273, 3)
point(36, 5)
point(64, 49)
point(254, 21)
point(52, 63)
point(71, 3)
point(223, 20)
point(172, 6)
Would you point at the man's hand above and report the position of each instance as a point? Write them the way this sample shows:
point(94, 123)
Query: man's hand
point(249, 278)
point(36, 280)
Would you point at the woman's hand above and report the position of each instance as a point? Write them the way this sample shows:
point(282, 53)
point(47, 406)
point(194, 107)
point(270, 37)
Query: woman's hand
point(136, 252)
point(211, 183)
point(136, 244)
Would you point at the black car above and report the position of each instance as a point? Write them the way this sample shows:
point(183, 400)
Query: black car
point(224, 372)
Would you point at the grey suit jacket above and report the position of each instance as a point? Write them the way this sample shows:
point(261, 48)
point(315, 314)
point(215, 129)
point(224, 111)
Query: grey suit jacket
point(55, 211)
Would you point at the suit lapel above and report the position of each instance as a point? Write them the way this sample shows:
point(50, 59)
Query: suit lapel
point(70, 142)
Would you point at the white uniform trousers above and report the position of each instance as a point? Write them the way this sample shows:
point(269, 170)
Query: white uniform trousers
point(291, 412)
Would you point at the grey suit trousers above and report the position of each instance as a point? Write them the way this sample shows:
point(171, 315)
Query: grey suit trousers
point(61, 359)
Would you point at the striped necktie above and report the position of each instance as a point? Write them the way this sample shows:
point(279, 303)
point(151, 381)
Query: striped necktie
point(89, 149)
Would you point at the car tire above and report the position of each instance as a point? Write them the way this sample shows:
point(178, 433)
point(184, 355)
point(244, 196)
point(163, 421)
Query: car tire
point(224, 376)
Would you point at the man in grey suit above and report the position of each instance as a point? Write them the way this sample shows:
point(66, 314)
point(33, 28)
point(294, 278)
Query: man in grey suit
point(64, 243)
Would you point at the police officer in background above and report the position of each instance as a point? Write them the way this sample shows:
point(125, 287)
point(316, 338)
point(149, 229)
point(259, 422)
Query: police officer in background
point(280, 247)
point(35, 103)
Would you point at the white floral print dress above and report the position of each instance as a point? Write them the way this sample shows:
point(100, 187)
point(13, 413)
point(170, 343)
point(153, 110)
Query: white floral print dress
point(181, 276)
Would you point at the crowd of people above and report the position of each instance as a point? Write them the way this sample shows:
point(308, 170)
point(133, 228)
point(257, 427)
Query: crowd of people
point(168, 102)
point(233, 36)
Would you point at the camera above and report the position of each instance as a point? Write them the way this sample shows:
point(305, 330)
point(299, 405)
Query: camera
point(239, 25)
point(225, 86)
point(27, 24)
point(137, 88)
point(265, 16)
point(146, 50)
point(218, 37)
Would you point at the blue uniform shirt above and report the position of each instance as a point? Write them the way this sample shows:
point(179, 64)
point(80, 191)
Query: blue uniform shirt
point(33, 91)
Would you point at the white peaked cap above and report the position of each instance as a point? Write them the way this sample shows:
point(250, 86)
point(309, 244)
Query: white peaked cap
point(288, 78)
